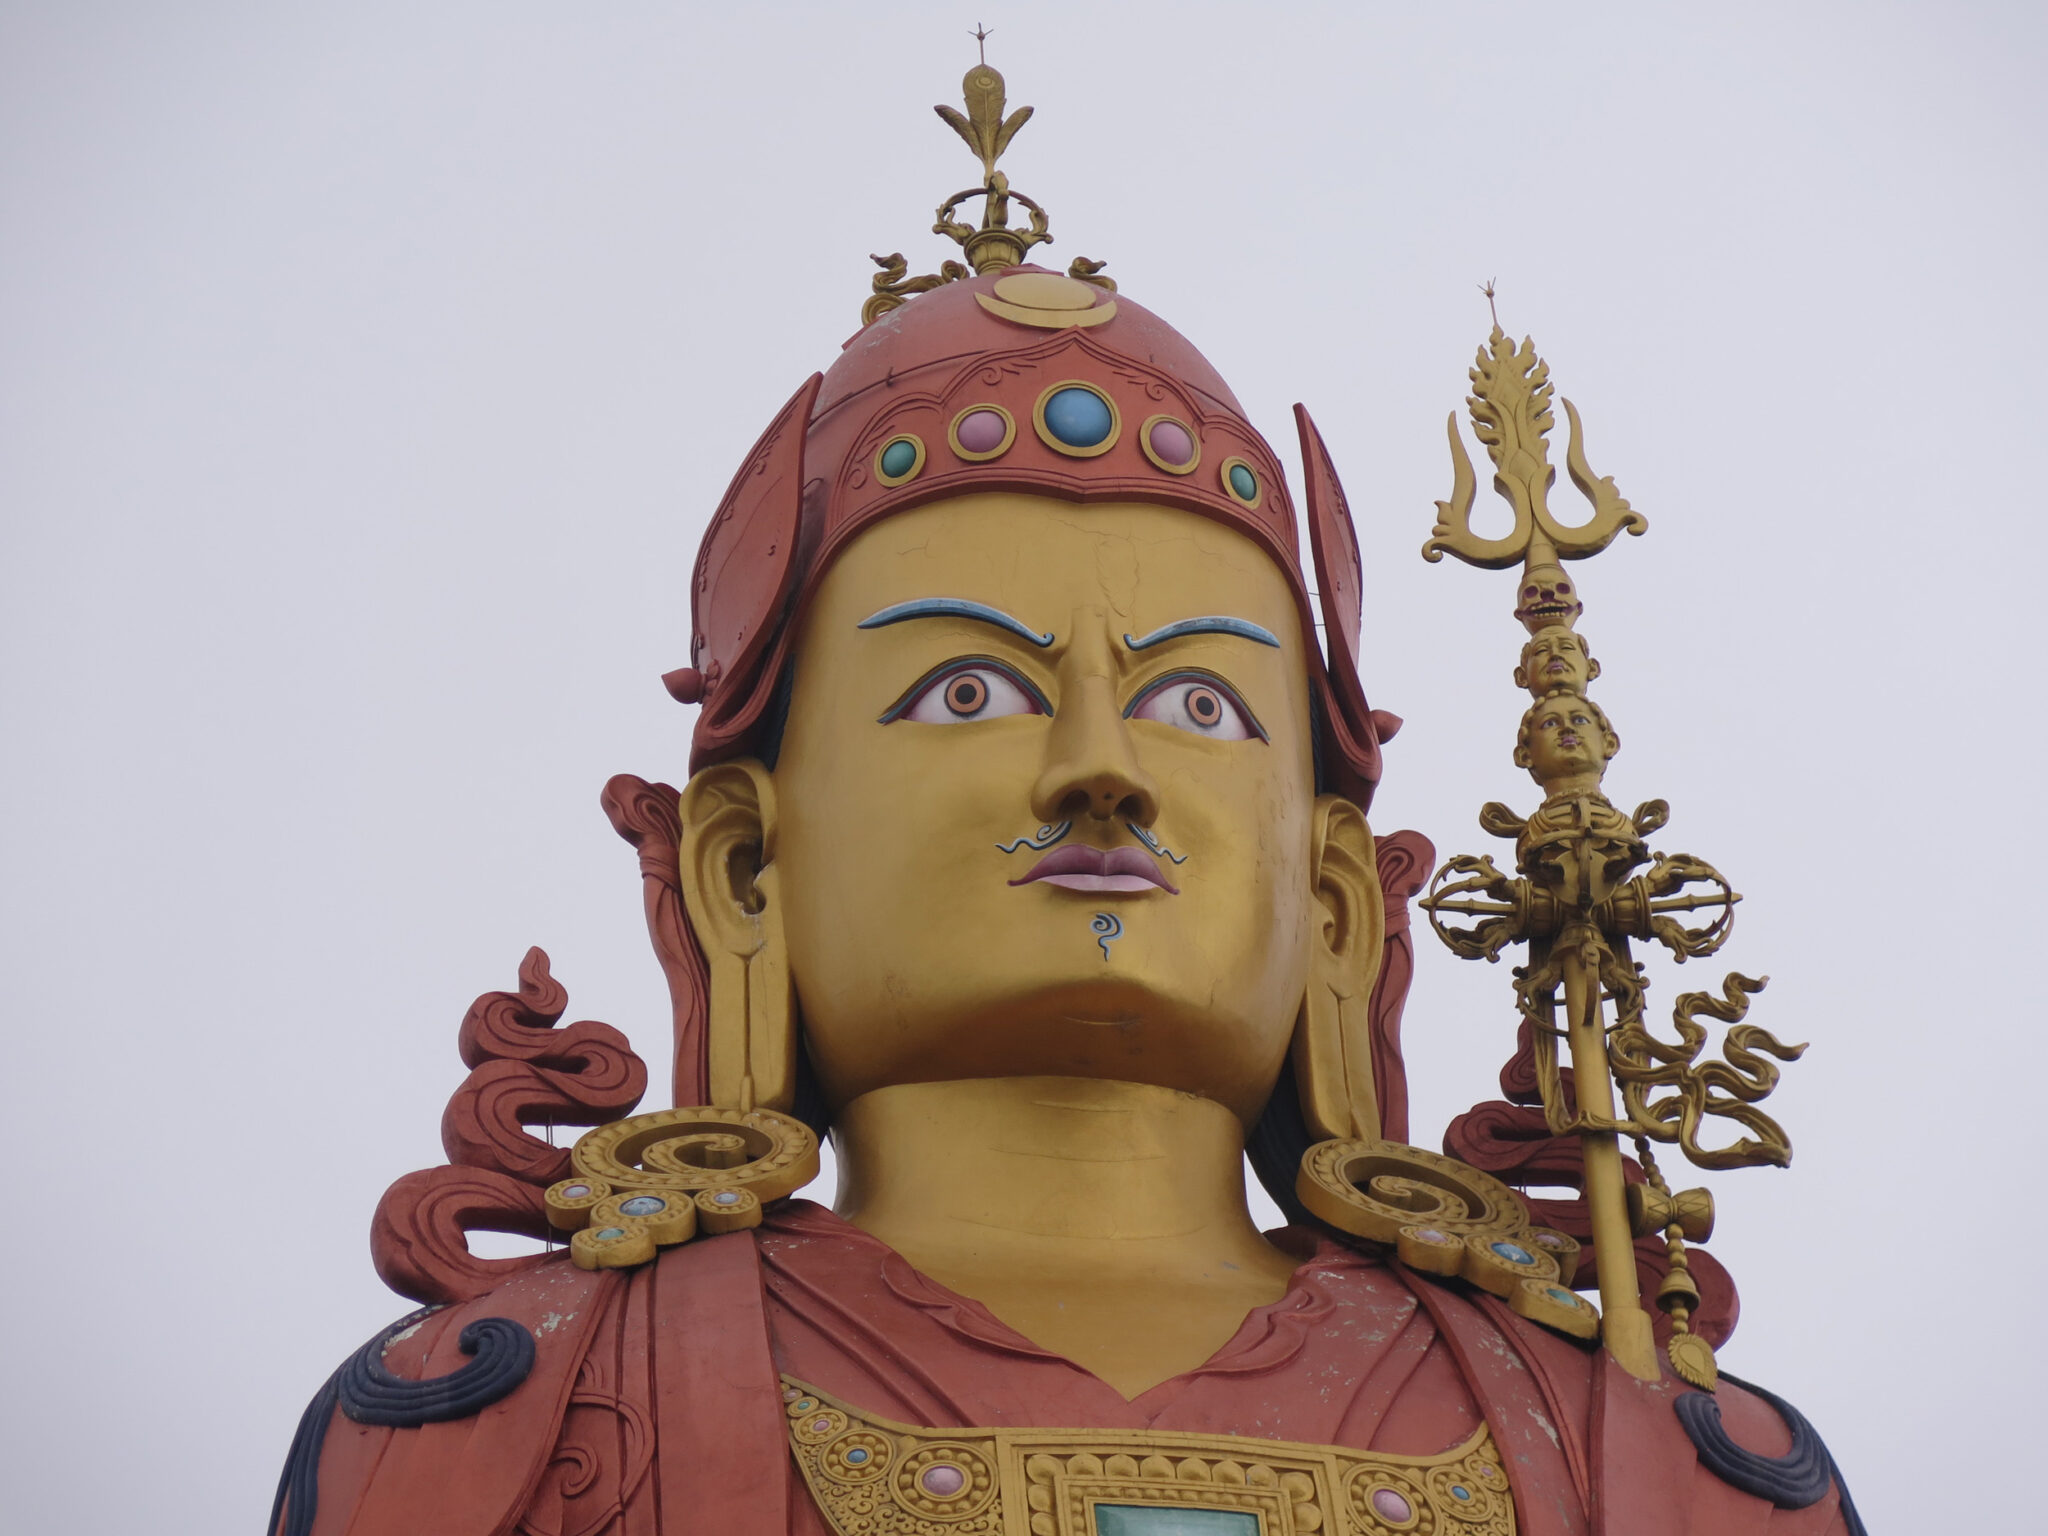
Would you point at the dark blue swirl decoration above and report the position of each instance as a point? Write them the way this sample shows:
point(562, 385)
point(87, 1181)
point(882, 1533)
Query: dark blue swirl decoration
point(1795, 1480)
point(502, 1352)
point(502, 1355)
point(298, 1486)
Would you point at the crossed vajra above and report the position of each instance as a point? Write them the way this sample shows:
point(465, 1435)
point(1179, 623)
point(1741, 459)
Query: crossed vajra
point(1578, 902)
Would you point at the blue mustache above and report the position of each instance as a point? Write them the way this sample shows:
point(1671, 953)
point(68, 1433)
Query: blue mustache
point(1047, 835)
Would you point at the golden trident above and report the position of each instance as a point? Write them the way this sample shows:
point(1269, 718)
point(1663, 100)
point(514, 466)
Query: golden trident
point(1587, 884)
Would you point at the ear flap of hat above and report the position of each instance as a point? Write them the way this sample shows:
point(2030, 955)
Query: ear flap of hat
point(746, 572)
point(1355, 729)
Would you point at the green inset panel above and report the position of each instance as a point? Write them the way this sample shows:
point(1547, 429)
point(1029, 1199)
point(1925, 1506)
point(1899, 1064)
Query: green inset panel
point(1152, 1520)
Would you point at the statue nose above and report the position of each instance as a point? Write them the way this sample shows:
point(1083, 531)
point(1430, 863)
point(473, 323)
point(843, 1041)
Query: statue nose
point(1091, 767)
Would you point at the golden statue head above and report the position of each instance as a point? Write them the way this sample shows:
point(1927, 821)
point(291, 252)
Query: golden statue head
point(1555, 660)
point(1565, 742)
point(1018, 753)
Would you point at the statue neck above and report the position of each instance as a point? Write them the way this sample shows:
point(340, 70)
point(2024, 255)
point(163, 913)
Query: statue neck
point(1574, 786)
point(1085, 1214)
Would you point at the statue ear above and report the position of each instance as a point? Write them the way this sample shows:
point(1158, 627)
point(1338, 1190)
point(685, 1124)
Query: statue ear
point(727, 854)
point(1592, 668)
point(1333, 1037)
point(1521, 675)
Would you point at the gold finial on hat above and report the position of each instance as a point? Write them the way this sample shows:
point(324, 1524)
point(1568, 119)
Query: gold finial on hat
point(992, 245)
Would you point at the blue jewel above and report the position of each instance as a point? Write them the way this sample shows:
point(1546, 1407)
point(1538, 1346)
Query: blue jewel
point(1078, 417)
point(725, 1197)
point(609, 1233)
point(857, 1455)
point(1460, 1491)
point(643, 1205)
point(1564, 1296)
point(1514, 1254)
point(1244, 482)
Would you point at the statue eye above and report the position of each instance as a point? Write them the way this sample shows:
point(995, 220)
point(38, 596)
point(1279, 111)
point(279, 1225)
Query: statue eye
point(1197, 702)
point(975, 689)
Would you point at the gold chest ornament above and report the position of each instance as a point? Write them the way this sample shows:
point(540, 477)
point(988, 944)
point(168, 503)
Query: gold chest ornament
point(873, 1477)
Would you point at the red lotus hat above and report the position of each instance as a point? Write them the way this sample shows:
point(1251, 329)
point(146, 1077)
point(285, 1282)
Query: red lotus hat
point(1015, 378)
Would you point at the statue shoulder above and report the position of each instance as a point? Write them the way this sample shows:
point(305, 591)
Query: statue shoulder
point(1751, 1440)
point(443, 1419)
point(547, 1390)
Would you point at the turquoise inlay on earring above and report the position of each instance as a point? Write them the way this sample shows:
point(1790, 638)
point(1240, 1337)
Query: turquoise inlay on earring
point(956, 608)
point(1215, 624)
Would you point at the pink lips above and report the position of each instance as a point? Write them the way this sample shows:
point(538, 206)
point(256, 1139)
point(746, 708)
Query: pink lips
point(1075, 868)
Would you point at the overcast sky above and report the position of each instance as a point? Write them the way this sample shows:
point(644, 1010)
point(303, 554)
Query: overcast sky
point(368, 372)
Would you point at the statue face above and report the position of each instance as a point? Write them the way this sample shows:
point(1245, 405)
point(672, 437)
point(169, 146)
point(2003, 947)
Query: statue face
point(1086, 857)
point(1566, 739)
point(1555, 660)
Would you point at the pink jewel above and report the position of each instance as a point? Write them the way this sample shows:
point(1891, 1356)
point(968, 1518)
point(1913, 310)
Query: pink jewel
point(1431, 1235)
point(791, 1395)
point(943, 1480)
point(821, 1425)
point(1389, 1505)
point(1171, 442)
point(981, 431)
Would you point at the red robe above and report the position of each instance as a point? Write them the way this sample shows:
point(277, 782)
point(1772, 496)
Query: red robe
point(654, 1407)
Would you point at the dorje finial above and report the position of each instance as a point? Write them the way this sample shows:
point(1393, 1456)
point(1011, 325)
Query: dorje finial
point(993, 245)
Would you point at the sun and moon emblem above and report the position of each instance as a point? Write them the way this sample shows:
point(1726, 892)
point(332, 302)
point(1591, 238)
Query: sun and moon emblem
point(1048, 301)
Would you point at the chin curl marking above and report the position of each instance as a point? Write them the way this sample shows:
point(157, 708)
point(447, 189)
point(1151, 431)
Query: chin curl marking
point(1107, 927)
point(1046, 837)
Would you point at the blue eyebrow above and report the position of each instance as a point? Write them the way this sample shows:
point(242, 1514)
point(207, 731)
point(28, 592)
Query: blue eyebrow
point(1215, 624)
point(955, 608)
